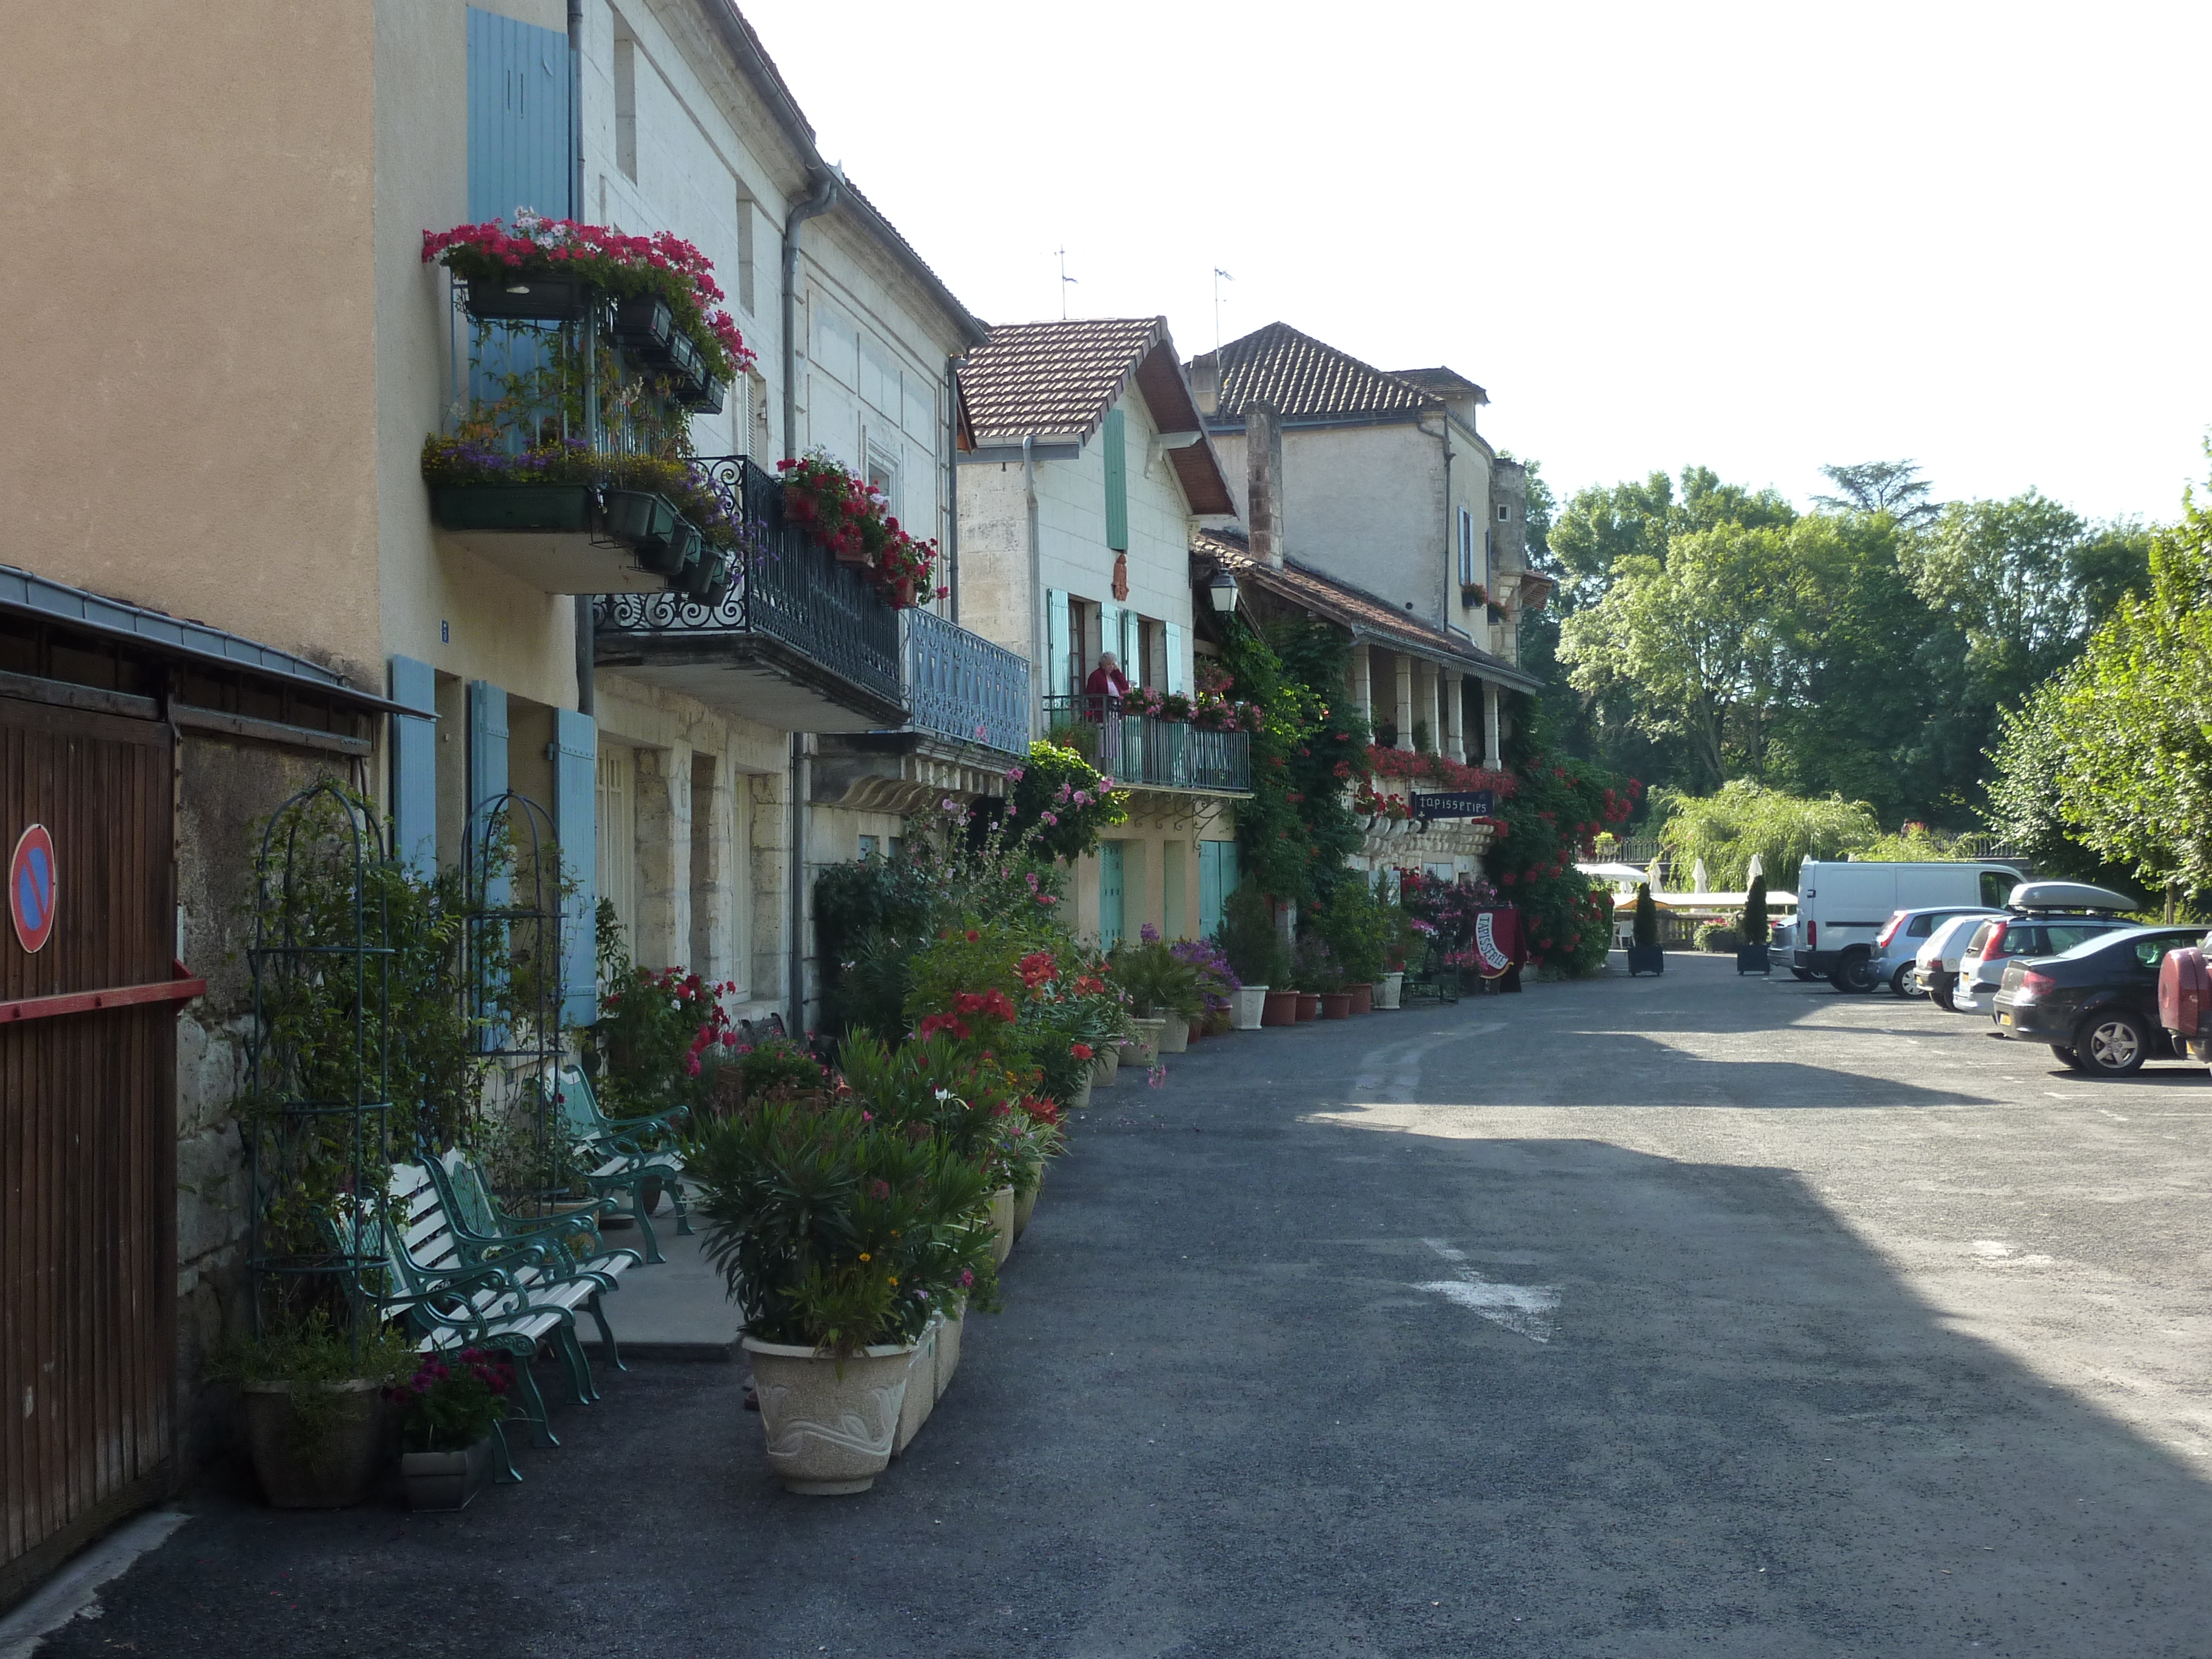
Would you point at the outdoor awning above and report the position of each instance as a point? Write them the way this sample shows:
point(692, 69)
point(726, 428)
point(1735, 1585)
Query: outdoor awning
point(1776, 901)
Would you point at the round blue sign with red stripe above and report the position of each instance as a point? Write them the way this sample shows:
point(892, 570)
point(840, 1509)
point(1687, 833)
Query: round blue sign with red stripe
point(33, 888)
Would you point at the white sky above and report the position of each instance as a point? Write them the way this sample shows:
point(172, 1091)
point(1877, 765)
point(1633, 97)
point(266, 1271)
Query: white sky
point(1758, 237)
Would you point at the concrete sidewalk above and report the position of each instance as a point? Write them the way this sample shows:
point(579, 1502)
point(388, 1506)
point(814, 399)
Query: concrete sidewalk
point(674, 1309)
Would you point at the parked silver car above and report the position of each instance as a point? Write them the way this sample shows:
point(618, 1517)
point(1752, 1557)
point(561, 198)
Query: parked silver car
point(1935, 965)
point(1898, 945)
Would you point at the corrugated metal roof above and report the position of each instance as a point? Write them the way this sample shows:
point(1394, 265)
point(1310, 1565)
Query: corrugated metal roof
point(1360, 611)
point(1302, 377)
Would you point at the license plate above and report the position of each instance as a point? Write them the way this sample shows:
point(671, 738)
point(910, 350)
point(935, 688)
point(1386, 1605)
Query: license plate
point(2004, 1019)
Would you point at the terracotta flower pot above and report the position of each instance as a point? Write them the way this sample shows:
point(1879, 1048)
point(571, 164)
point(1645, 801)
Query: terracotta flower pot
point(829, 1423)
point(1363, 999)
point(1281, 1007)
point(1308, 1006)
point(1336, 1005)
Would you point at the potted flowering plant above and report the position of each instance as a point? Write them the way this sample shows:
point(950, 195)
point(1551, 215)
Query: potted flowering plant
point(847, 516)
point(1256, 953)
point(1164, 990)
point(314, 1414)
point(1218, 985)
point(542, 269)
point(450, 1413)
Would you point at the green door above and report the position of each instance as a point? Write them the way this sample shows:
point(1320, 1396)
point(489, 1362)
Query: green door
point(1217, 881)
point(1110, 893)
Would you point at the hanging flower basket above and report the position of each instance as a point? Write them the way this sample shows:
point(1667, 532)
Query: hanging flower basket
point(645, 327)
point(645, 521)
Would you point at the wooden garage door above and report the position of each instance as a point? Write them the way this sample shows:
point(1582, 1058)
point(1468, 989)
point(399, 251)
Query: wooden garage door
point(88, 1137)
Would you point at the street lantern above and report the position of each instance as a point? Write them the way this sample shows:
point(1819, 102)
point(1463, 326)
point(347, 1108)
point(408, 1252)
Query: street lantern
point(1223, 588)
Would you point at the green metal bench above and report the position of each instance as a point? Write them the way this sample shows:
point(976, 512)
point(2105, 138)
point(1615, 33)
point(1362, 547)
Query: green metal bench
point(614, 1158)
point(1438, 982)
point(554, 1250)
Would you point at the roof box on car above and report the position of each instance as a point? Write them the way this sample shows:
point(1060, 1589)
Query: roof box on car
point(2068, 896)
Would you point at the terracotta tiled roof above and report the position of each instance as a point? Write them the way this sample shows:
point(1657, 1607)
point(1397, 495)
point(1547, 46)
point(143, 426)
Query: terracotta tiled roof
point(1056, 381)
point(1302, 377)
point(1362, 612)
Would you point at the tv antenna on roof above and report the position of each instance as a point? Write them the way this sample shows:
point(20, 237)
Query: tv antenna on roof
point(1219, 277)
point(1065, 279)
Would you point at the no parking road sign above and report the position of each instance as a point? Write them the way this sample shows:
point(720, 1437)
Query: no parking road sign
point(33, 888)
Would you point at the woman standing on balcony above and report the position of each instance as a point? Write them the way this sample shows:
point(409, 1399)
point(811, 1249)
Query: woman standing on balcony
point(1107, 682)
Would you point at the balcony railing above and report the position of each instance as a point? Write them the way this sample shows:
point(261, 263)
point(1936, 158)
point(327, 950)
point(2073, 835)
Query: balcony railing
point(962, 686)
point(789, 591)
point(1147, 752)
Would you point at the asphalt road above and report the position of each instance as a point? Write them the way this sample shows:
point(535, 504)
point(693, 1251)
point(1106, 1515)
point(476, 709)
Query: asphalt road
point(1687, 1316)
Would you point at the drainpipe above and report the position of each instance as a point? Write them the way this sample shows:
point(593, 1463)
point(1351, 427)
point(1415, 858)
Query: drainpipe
point(1451, 546)
point(824, 196)
point(1040, 626)
point(798, 965)
point(952, 482)
point(584, 652)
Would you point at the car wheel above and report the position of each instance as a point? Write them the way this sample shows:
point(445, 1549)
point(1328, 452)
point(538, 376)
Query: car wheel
point(1855, 973)
point(1800, 973)
point(1940, 996)
point(1900, 983)
point(2112, 1043)
point(2068, 1057)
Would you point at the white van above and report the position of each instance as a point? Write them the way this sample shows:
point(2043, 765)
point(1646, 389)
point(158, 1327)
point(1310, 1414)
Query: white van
point(1842, 907)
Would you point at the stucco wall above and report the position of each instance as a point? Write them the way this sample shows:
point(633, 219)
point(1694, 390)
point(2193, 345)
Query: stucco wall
point(190, 195)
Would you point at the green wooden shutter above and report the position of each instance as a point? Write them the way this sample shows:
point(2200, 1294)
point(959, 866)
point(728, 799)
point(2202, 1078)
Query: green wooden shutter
point(1110, 893)
point(414, 766)
point(575, 757)
point(1113, 444)
point(1059, 669)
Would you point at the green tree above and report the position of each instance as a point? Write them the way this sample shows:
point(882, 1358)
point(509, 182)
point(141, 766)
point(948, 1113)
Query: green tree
point(1726, 828)
point(1892, 487)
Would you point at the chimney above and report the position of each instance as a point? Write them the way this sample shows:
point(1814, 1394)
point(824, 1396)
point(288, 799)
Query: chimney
point(1263, 456)
point(1205, 381)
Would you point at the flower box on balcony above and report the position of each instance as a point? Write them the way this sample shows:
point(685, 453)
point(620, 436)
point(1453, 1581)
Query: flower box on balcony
point(645, 521)
point(554, 507)
point(707, 400)
point(645, 325)
point(530, 299)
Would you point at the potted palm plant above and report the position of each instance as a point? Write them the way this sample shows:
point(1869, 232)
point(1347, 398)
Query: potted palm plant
point(1255, 950)
point(1163, 990)
point(1751, 951)
point(841, 1237)
point(1645, 956)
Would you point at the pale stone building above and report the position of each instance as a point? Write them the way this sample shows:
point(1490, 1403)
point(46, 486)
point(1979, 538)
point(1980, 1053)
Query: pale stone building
point(1091, 471)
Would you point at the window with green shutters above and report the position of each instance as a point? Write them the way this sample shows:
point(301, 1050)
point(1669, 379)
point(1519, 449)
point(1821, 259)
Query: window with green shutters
point(1113, 447)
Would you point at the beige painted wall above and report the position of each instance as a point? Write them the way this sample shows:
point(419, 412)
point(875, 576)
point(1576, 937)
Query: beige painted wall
point(189, 291)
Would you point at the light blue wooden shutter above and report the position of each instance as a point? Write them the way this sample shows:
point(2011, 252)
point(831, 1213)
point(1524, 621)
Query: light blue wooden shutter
point(1113, 447)
point(1131, 648)
point(1109, 639)
point(1059, 672)
point(575, 758)
point(1217, 877)
point(520, 146)
point(1110, 893)
point(415, 767)
point(1177, 672)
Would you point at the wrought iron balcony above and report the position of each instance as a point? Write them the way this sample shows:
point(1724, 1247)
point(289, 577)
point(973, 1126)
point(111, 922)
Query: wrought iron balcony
point(802, 642)
point(960, 685)
point(1145, 752)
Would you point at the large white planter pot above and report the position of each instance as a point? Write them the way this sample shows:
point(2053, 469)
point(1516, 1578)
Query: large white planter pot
point(1081, 1098)
point(1250, 1002)
point(1174, 1035)
point(948, 1349)
point(920, 1389)
point(1107, 1061)
point(1388, 989)
point(1002, 1223)
point(831, 1423)
point(1144, 1048)
point(1025, 1206)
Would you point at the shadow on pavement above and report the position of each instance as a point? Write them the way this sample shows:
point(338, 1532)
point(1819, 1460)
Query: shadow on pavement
point(1232, 1410)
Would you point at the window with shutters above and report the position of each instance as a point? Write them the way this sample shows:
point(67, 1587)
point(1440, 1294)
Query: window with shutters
point(625, 100)
point(747, 209)
point(616, 864)
point(1467, 548)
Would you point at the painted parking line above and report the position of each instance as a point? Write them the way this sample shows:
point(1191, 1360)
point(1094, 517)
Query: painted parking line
point(1524, 1310)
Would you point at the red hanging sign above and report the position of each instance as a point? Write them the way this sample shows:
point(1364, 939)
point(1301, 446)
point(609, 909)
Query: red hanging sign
point(33, 888)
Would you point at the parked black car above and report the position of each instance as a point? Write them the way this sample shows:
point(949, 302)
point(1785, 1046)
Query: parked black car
point(2097, 1006)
